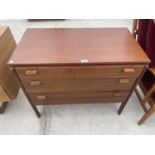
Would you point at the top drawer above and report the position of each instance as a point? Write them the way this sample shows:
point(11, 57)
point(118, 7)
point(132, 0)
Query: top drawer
point(79, 72)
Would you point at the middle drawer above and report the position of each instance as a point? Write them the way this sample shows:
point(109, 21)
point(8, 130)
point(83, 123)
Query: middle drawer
point(78, 85)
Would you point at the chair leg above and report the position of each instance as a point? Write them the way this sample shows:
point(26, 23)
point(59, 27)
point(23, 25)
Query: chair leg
point(148, 94)
point(140, 100)
point(134, 28)
point(146, 115)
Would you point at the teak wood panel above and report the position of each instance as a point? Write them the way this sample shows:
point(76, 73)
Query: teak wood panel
point(8, 80)
point(3, 95)
point(82, 94)
point(77, 46)
point(48, 98)
point(7, 46)
point(10, 83)
point(3, 30)
point(80, 72)
point(80, 85)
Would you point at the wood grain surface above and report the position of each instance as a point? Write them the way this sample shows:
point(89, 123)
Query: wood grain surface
point(78, 65)
point(8, 80)
point(82, 85)
point(79, 72)
point(77, 46)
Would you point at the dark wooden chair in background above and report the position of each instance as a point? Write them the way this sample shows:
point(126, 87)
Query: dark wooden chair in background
point(147, 85)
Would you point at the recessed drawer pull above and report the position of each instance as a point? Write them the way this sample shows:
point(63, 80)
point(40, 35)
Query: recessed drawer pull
point(118, 94)
point(128, 70)
point(41, 97)
point(31, 72)
point(35, 83)
point(123, 80)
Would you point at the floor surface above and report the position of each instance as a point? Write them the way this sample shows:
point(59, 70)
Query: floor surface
point(19, 117)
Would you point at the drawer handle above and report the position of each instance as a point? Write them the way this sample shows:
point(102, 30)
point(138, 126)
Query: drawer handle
point(41, 97)
point(118, 94)
point(35, 83)
point(31, 72)
point(128, 70)
point(124, 81)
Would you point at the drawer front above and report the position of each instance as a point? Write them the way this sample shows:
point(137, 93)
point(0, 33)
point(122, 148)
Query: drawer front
point(87, 97)
point(79, 72)
point(79, 85)
point(3, 95)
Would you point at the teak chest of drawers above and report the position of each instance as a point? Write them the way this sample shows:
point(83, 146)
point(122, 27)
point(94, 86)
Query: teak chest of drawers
point(89, 65)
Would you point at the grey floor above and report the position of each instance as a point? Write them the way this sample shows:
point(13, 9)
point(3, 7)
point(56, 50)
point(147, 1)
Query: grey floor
point(19, 117)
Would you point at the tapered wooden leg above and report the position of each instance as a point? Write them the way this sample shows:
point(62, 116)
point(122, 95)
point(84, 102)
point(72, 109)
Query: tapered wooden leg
point(123, 104)
point(131, 91)
point(3, 106)
point(35, 110)
point(32, 104)
point(121, 108)
point(146, 115)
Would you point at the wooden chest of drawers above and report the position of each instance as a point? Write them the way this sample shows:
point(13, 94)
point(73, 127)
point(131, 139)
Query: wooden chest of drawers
point(62, 66)
point(9, 84)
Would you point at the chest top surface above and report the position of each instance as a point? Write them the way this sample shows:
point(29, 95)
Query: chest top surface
point(47, 46)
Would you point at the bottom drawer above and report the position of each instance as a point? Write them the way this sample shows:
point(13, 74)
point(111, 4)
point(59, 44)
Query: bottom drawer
point(71, 98)
point(3, 96)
